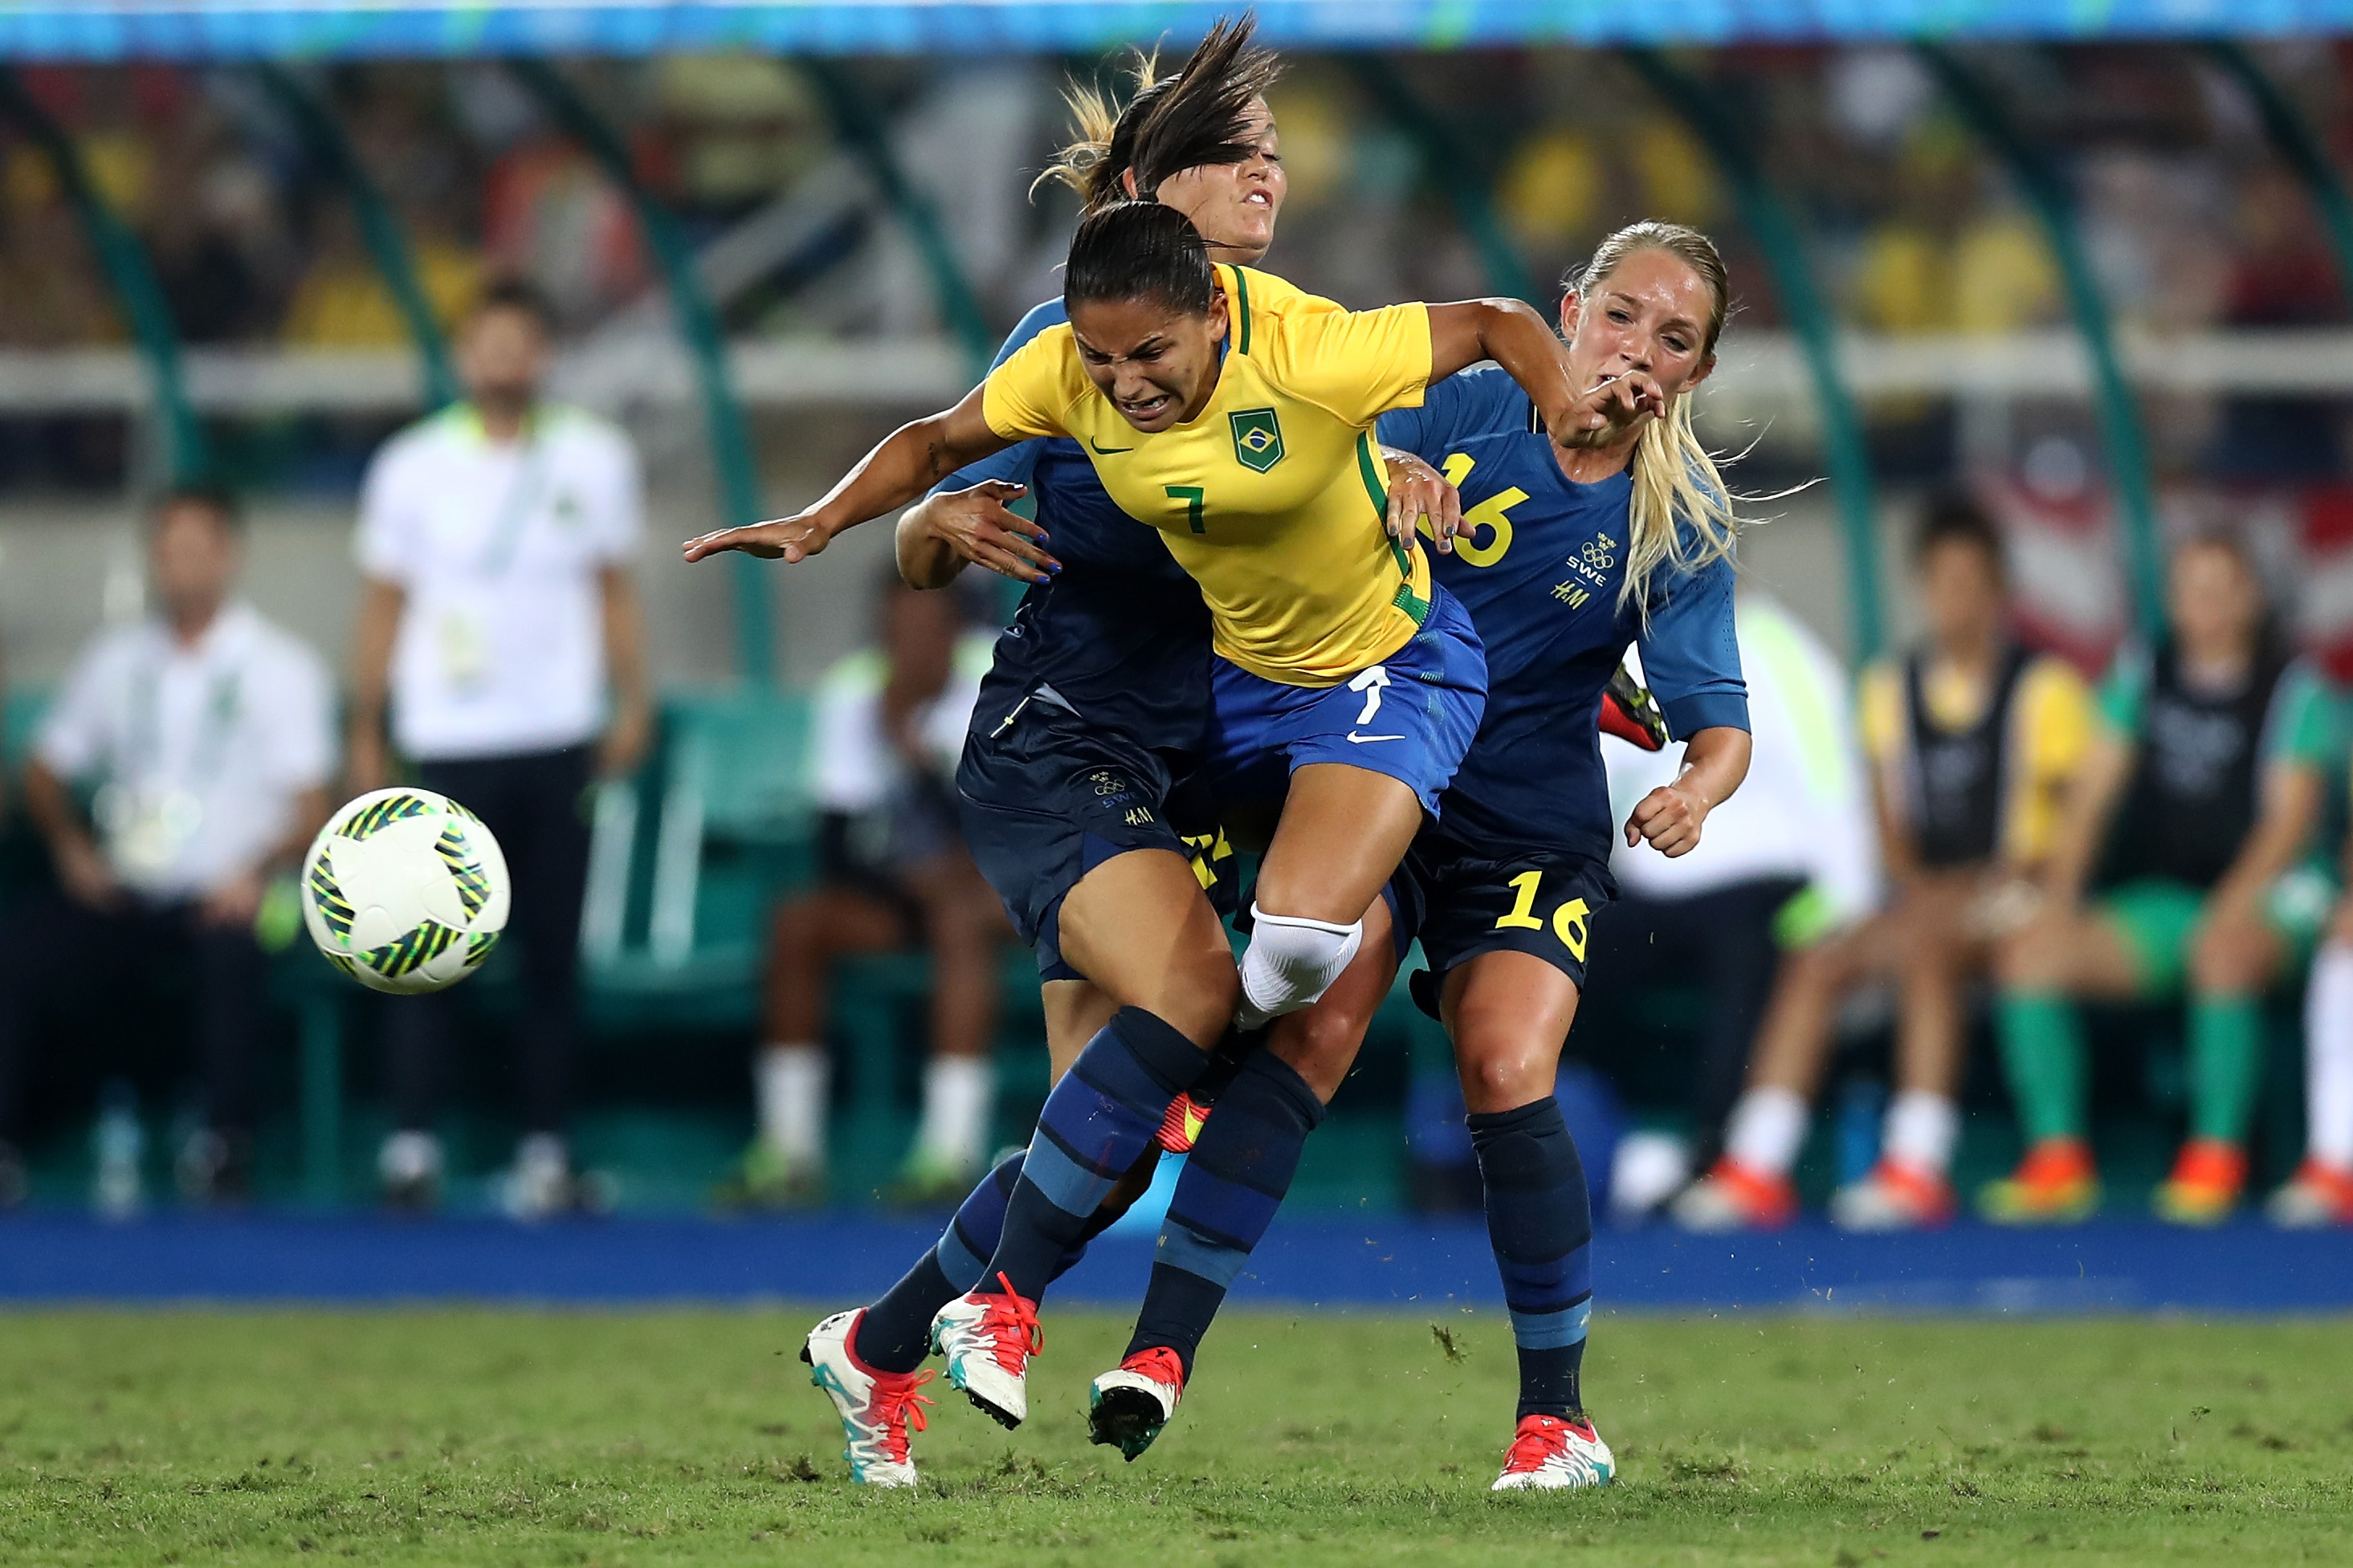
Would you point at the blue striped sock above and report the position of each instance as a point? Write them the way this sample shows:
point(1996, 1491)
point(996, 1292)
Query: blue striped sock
point(1098, 1121)
point(895, 1333)
point(1234, 1180)
point(1540, 1221)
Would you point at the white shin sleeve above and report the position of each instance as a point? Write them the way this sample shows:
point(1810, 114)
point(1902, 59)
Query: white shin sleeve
point(1289, 963)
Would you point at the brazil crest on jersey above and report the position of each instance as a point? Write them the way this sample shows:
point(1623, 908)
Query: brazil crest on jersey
point(1539, 566)
point(1271, 497)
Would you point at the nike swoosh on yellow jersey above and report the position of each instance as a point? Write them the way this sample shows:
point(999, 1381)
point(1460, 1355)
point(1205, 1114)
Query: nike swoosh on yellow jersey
point(1108, 451)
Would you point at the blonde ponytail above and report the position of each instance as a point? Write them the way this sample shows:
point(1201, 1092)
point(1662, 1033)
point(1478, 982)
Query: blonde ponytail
point(1682, 514)
point(1088, 165)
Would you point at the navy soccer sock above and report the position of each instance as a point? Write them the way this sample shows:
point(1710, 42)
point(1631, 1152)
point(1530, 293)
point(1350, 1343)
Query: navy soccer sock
point(1097, 1123)
point(1234, 1180)
point(1540, 1220)
point(895, 1333)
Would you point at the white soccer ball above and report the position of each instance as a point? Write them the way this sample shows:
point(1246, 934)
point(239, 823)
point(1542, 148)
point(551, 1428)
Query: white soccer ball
point(405, 891)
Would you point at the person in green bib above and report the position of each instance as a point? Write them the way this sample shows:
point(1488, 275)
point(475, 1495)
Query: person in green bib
point(2180, 868)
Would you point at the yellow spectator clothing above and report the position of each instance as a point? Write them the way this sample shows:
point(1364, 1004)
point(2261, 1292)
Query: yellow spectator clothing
point(343, 304)
point(1273, 496)
point(2003, 277)
point(2049, 730)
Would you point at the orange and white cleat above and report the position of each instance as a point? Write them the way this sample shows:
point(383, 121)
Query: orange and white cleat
point(1733, 1196)
point(2056, 1183)
point(2208, 1177)
point(2319, 1195)
point(1182, 1124)
point(1548, 1454)
point(877, 1409)
point(1127, 1407)
point(1895, 1196)
point(988, 1338)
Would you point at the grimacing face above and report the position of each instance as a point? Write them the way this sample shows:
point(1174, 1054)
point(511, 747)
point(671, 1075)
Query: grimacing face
point(1650, 314)
point(1234, 206)
point(1155, 365)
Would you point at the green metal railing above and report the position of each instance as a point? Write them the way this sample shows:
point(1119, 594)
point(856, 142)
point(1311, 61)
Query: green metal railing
point(860, 124)
point(1769, 222)
point(124, 262)
point(697, 322)
point(387, 247)
point(2113, 402)
point(1449, 168)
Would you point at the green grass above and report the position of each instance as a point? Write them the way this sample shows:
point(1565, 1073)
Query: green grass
point(550, 1438)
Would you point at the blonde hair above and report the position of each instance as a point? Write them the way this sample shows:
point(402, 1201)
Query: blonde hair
point(1676, 482)
point(1087, 163)
point(1199, 117)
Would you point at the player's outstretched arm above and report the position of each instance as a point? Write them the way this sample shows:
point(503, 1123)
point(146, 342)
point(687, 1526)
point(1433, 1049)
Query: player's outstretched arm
point(910, 461)
point(1671, 816)
point(1517, 338)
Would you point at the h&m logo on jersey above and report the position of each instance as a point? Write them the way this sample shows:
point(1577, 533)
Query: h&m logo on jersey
point(1258, 439)
point(1592, 563)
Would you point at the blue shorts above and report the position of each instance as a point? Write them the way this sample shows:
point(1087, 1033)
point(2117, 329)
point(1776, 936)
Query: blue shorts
point(1411, 716)
point(1477, 898)
point(1045, 798)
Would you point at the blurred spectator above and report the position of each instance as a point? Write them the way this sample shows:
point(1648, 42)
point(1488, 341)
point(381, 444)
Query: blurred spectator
point(1972, 741)
point(1786, 860)
point(892, 874)
point(2003, 278)
point(342, 302)
point(209, 735)
point(2176, 869)
point(499, 612)
point(551, 216)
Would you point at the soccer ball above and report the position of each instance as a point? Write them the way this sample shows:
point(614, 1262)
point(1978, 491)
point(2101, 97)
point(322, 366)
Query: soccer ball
point(405, 891)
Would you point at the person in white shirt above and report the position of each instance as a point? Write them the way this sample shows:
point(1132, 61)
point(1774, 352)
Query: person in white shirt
point(1788, 860)
point(499, 631)
point(207, 735)
point(892, 874)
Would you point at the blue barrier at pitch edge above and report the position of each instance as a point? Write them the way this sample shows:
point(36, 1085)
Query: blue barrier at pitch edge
point(1412, 1265)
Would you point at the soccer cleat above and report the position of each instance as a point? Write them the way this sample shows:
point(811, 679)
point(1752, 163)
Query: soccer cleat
point(1127, 1407)
point(764, 1179)
point(1629, 712)
point(2056, 1183)
point(928, 1181)
point(2208, 1177)
point(1182, 1124)
point(877, 1409)
point(1733, 1196)
point(1893, 1197)
point(2318, 1195)
point(988, 1338)
point(1548, 1454)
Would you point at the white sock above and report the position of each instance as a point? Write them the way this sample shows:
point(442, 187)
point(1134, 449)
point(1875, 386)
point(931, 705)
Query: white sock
point(1920, 1131)
point(959, 1103)
point(2328, 1062)
point(794, 1082)
point(1289, 963)
point(1766, 1130)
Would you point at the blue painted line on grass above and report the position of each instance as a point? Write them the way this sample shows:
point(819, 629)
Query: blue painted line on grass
point(1316, 1261)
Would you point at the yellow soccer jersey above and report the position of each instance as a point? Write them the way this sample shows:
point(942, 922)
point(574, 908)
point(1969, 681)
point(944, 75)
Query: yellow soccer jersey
point(2048, 730)
point(1273, 496)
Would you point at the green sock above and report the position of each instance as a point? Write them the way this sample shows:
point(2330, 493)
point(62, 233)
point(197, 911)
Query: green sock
point(2226, 1064)
point(2042, 1055)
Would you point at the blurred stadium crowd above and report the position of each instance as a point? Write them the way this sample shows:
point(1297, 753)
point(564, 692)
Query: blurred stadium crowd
point(2032, 897)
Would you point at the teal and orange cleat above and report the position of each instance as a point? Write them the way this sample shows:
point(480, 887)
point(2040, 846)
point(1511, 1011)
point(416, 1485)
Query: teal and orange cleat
point(988, 1338)
point(1127, 1407)
point(877, 1409)
point(1548, 1454)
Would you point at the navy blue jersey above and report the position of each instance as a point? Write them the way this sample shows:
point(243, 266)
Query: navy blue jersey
point(1120, 633)
point(1539, 566)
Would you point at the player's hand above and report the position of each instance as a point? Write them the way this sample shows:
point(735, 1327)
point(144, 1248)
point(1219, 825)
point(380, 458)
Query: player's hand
point(1421, 498)
point(1669, 819)
point(788, 538)
point(233, 905)
point(980, 525)
point(86, 877)
point(1606, 413)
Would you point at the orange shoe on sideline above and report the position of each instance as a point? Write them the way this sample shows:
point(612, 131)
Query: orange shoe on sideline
point(1733, 1196)
point(2056, 1183)
point(2208, 1177)
point(2319, 1195)
point(1895, 1196)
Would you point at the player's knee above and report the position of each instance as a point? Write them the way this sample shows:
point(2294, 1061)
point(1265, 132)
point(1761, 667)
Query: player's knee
point(1292, 961)
point(2023, 963)
point(2228, 961)
point(1505, 1077)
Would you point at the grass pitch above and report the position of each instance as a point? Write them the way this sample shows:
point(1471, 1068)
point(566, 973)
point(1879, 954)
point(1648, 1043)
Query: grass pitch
point(501, 1437)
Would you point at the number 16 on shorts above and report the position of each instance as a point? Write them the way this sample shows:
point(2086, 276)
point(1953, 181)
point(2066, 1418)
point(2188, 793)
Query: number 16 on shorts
point(1569, 920)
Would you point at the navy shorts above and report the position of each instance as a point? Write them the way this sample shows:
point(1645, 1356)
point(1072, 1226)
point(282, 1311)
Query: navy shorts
point(1411, 716)
point(1489, 897)
point(1045, 799)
